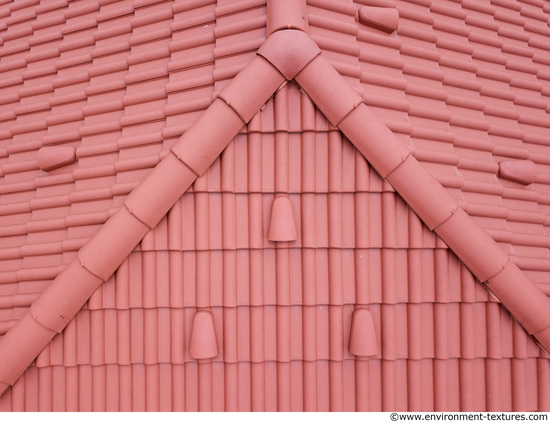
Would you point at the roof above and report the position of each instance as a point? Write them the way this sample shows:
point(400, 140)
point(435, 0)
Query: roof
point(203, 142)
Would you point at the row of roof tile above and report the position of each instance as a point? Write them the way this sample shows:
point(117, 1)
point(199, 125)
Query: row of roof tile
point(373, 385)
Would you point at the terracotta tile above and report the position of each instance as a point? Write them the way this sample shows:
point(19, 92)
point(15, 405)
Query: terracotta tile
point(135, 290)
point(110, 321)
point(71, 395)
point(82, 339)
point(137, 340)
point(163, 396)
point(44, 359)
point(148, 277)
point(461, 323)
point(150, 333)
point(58, 389)
point(138, 384)
point(218, 378)
point(189, 261)
point(232, 318)
point(123, 342)
point(191, 391)
point(98, 393)
point(44, 379)
point(69, 347)
point(15, 396)
point(177, 336)
point(152, 388)
point(97, 332)
point(57, 349)
point(124, 377)
point(31, 391)
point(110, 388)
point(85, 388)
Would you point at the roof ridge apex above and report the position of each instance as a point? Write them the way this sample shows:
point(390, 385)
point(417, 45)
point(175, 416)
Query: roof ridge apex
point(289, 51)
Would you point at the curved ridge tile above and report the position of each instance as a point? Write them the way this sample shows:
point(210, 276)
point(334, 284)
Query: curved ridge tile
point(289, 51)
point(328, 90)
point(522, 298)
point(207, 138)
point(374, 140)
point(59, 303)
point(152, 199)
point(112, 244)
point(287, 14)
point(251, 87)
point(472, 245)
point(433, 204)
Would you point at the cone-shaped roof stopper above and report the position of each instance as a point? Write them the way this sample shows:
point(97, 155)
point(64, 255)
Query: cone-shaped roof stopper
point(363, 341)
point(53, 157)
point(381, 18)
point(203, 336)
point(520, 171)
point(282, 226)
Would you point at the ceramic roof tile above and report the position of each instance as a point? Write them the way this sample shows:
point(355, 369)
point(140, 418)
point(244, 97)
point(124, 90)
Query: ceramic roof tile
point(212, 248)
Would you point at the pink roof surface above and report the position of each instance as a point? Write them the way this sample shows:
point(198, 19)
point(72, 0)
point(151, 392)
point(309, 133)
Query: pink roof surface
point(222, 306)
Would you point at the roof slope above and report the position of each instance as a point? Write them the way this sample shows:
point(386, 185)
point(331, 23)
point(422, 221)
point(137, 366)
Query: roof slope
point(151, 221)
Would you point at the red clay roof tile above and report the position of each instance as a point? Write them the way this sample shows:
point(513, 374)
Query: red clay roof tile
point(282, 226)
point(247, 94)
point(522, 171)
point(298, 159)
point(203, 344)
point(383, 18)
point(340, 99)
point(286, 15)
point(363, 339)
point(289, 52)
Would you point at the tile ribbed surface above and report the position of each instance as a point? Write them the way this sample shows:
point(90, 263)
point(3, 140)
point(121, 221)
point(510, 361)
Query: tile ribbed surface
point(465, 84)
